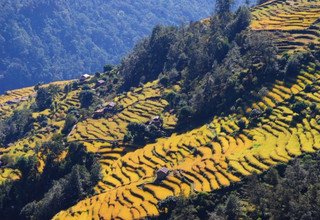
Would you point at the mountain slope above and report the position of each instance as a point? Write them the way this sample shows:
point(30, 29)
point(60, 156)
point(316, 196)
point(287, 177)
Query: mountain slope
point(280, 125)
point(55, 40)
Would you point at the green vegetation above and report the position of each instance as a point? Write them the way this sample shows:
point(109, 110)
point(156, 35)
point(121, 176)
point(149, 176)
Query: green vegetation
point(16, 126)
point(197, 123)
point(217, 64)
point(63, 182)
point(86, 98)
point(140, 134)
point(41, 41)
point(45, 96)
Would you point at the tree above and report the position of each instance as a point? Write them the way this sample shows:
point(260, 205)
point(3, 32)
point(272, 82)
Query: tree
point(232, 207)
point(86, 98)
point(16, 126)
point(43, 99)
point(223, 7)
point(241, 21)
point(107, 68)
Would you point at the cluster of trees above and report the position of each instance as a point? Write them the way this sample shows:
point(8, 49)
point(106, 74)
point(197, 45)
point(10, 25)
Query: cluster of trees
point(217, 64)
point(140, 134)
point(16, 126)
point(285, 192)
point(50, 40)
point(45, 97)
point(62, 183)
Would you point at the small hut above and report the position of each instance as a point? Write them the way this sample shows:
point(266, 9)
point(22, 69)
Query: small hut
point(84, 77)
point(100, 83)
point(98, 113)
point(109, 106)
point(157, 121)
point(162, 173)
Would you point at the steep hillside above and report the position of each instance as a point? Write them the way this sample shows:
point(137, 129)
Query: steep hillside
point(65, 38)
point(149, 148)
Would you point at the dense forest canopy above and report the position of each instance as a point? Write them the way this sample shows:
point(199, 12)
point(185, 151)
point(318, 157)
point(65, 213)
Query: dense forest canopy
point(53, 40)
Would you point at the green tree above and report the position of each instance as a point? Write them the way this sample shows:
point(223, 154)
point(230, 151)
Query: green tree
point(223, 7)
point(43, 99)
point(86, 98)
point(232, 209)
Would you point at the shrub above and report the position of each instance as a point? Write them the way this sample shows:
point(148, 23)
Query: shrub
point(70, 121)
point(107, 68)
point(242, 124)
point(298, 107)
point(268, 111)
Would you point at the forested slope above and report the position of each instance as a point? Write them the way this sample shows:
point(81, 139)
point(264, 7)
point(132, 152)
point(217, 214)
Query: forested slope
point(54, 40)
point(50, 40)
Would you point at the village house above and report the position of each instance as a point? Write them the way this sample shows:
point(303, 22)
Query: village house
point(157, 121)
point(84, 77)
point(161, 174)
point(100, 83)
point(24, 98)
point(109, 107)
point(99, 113)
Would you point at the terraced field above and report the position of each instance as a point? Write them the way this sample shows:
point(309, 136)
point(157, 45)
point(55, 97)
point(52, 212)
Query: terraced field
point(20, 98)
point(210, 157)
point(8, 174)
point(221, 153)
point(204, 159)
point(285, 15)
point(104, 136)
point(295, 23)
point(26, 146)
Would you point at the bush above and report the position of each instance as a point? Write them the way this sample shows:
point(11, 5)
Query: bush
point(70, 121)
point(242, 124)
point(298, 107)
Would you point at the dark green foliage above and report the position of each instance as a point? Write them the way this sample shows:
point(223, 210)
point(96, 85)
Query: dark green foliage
point(294, 62)
point(16, 126)
point(148, 58)
point(268, 111)
point(86, 98)
point(298, 107)
point(140, 134)
point(42, 120)
point(216, 65)
point(61, 185)
point(108, 68)
point(45, 95)
point(259, 2)
point(242, 124)
point(223, 7)
point(43, 99)
point(241, 21)
point(48, 40)
point(232, 207)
